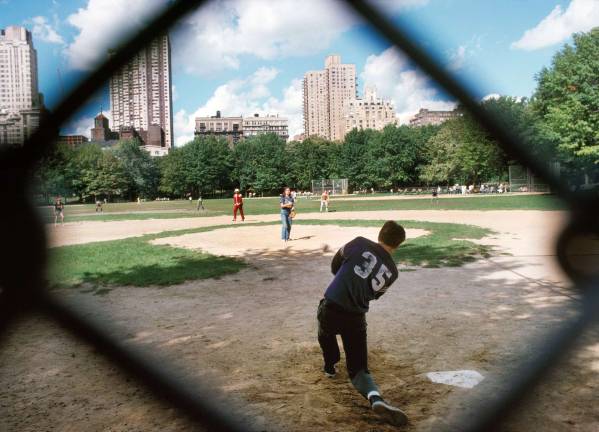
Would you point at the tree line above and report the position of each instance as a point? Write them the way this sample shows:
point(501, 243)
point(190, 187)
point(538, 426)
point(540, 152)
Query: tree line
point(559, 123)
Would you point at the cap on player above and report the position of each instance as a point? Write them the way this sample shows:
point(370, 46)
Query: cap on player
point(236, 190)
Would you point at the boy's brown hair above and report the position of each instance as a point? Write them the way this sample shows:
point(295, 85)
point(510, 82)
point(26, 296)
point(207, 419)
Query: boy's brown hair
point(392, 234)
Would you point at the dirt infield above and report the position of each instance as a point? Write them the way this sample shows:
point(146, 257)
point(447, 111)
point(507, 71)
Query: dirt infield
point(254, 333)
point(241, 242)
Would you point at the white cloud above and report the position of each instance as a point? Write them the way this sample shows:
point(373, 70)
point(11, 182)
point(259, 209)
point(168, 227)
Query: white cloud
point(456, 62)
point(579, 16)
point(245, 97)
point(408, 88)
point(491, 96)
point(102, 24)
point(225, 30)
point(81, 126)
point(43, 31)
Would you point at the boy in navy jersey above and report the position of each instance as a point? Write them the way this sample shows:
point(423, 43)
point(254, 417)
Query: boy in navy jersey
point(363, 271)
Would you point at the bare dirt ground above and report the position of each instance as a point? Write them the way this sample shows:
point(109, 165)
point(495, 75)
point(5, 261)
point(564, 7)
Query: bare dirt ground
point(326, 239)
point(254, 335)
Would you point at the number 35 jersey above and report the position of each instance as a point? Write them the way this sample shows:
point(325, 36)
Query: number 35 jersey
point(363, 272)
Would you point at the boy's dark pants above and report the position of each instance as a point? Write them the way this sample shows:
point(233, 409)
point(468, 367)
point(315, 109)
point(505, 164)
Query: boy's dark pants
point(333, 321)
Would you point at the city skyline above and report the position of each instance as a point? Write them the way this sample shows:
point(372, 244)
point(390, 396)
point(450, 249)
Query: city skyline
point(254, 54)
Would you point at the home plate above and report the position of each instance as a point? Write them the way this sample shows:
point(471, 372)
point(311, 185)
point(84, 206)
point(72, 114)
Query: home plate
point(459, 378)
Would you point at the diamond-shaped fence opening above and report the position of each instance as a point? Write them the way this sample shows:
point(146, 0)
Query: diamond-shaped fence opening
point(22, 285)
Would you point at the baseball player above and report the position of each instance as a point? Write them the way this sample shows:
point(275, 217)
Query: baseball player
point(324, 201)
point(58, 211)
point(363, 271)
point(238, 205)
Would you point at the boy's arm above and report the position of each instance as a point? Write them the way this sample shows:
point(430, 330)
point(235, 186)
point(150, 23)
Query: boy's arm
point(337, 261)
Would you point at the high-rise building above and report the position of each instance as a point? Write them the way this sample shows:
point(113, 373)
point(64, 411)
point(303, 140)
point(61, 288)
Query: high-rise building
point(426, 117)
point(370, 112)
point(20, 101)
point(325, 93)
point(140, 97)
point(18, 70)
point(257, 125)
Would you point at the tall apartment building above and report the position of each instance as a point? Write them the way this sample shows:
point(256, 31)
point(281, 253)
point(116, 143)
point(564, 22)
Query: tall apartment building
point(18, 70)
point(426, 117)
point(370, 112)
point(257, 125)
point(20, 100)
point(140, 97)
point(325, 93)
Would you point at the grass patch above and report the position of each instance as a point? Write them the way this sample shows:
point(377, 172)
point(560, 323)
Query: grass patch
point(135, 262)
point(257, 206)
point(109, 217)
point(447, 245)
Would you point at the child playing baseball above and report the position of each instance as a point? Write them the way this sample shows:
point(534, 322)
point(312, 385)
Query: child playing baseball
point(363, 271)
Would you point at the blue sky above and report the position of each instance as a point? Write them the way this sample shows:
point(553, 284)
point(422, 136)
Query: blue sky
point(244, 56)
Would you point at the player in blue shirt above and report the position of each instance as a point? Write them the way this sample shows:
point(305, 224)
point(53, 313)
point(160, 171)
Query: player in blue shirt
point(363, 270)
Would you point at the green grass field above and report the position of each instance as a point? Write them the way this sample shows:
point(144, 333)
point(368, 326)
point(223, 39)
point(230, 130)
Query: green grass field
point(447, 245)
point(136, 262)
point(182, 208)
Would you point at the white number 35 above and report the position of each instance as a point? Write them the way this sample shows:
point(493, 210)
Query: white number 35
point(365, 269)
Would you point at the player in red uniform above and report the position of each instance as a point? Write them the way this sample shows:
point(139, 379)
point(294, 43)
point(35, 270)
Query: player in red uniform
point(238, 205)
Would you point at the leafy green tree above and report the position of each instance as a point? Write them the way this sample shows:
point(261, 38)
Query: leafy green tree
point(83, 165)
point(463, 152)
point(207, 163)
point(567, 100)
point(104, 177)
point(395, 154)
point(309, 160)
point(353, 159)
point(172, 173)
point(479, 156)
point(54, 174)
point(261, 163)
point(142, 174)
point(443, 165)
point(200, 166)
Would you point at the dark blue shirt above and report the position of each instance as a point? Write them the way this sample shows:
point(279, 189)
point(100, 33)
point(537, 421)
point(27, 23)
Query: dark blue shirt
point(287, 200)
point(363, 272)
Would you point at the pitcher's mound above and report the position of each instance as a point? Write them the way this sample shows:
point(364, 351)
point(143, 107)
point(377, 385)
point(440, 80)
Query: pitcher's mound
point(266, 239)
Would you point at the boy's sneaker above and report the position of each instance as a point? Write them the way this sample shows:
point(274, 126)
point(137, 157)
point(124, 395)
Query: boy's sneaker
point(393, 415)
point(329, 371)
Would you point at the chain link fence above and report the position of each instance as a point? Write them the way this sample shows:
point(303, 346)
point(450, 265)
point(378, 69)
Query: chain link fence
point(332, 186)
point(23, 285)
